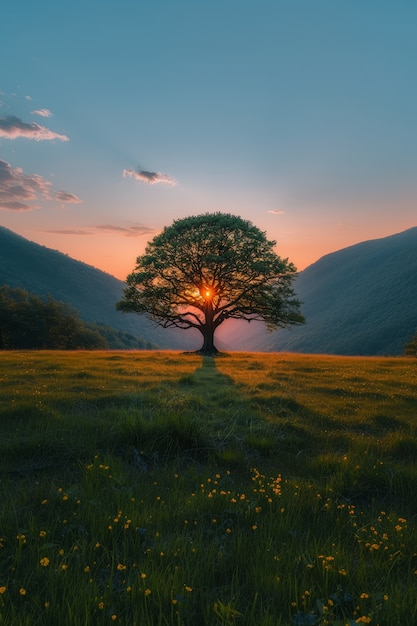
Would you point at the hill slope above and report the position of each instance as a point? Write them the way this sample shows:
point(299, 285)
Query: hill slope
point(361, 300)
point(41, 271)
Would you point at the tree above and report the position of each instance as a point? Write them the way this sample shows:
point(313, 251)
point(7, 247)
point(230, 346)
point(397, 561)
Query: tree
point(28, 322)
point(206, 269)
point(410, 348)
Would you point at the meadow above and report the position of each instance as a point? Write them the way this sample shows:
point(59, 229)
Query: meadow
point(161, 488)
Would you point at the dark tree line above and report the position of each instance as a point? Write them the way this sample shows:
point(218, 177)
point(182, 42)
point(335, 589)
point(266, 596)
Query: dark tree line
point(411, 347)
point(29, 322)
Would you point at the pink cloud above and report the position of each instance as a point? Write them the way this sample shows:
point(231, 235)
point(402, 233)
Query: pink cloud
point(68, 198)
point(20, 191)
point(42, 112)
point(151, 178)
point(276, 211)
point(11, 127)
point(125, 231)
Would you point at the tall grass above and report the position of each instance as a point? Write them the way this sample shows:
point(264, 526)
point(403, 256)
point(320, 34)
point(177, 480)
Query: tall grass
point(162, 488)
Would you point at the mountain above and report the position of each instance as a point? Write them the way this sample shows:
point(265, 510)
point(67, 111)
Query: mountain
point(42, 271)
point(361, 300)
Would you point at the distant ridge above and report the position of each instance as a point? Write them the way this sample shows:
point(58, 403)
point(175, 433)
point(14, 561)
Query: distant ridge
point(361, 300)
point(94, 293)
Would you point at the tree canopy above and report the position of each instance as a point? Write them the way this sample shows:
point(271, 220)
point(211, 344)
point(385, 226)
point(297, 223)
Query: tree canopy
point(410, 348)
point(28, 322)
point(205, 269)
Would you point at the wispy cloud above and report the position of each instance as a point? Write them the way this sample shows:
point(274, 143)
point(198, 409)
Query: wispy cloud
point(22, 192)
point(12, 127)
point(125, 231)
point(276, 211)
point(151, 178)
point(67, 198)
point(42, 112)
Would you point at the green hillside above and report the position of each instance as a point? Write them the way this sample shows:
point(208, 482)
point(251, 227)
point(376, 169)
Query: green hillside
point(93, 293)
point(361, 300)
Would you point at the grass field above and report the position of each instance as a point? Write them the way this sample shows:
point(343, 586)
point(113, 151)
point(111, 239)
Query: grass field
point(159, 488)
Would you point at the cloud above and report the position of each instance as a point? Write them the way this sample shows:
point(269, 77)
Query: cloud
point(126, 231)
point(42, 112)
point(151, 178)
point(68, 198)
point(21, 192)
point(11, 127)
point(18, 191)
point(276, 211)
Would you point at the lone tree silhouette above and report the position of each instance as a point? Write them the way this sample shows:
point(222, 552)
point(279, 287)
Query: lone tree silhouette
point(206, 269)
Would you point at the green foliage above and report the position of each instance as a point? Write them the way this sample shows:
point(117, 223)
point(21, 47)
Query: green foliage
point(27, 321)
point(122, 502)
point(205, 269)
point(411, 347)
point(119, 340)
point(91, 292)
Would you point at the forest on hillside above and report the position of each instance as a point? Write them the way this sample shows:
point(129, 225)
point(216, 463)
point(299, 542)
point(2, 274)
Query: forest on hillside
point(28, 321)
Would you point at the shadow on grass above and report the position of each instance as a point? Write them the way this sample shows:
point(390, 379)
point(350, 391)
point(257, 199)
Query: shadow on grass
point(207, 376)
point(248, 429)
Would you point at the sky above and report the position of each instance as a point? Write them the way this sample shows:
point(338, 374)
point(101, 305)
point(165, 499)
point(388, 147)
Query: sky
point(118, 117)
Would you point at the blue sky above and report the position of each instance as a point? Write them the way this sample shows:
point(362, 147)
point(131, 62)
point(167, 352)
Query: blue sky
point(118, 117)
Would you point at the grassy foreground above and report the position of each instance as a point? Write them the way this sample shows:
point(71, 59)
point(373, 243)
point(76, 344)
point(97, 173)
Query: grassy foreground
point(159, 488)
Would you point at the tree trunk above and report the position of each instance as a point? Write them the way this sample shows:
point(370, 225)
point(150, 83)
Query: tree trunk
point(208, 346)
point(207, 331)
